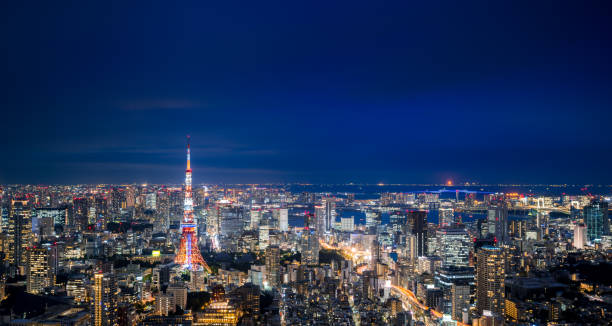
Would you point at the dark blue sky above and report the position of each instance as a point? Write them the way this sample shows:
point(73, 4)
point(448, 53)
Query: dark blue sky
point(329, 91)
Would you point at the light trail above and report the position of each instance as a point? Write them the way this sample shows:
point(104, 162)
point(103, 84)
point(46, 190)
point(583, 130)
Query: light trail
point(415, 302)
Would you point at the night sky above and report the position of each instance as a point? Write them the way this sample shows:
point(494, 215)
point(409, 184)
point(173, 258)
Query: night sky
point(306, 91)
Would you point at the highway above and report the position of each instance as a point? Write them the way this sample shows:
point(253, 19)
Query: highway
point(427, 314)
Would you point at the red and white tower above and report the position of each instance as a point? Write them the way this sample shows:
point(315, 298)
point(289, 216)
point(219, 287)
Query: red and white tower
point(189, 255)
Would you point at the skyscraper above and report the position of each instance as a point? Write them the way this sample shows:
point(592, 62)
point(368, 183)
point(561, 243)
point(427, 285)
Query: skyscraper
point(309, 243)
point(80, 212)
point(330, 213)
point(273, 266)
point(446, 216)
point(264, 236)
point(325, 215)
point(283, 219)
point(105, 300)
point(596, 220)
point(417, 226)
point(38, 271)
point(347, 224)
point(255, 218)
point(490, 276)
point(453, 246)
point(457, 284)
point(497, 221)
point(579, 236)
point(19, 232)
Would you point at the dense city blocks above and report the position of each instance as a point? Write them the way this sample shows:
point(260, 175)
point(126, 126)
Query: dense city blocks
point(369, 254)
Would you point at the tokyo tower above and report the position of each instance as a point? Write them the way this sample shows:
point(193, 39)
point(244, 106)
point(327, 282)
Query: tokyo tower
point(189, 255)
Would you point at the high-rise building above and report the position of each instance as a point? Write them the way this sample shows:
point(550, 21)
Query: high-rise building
point(273, 266)
point(460, 300)
point(232, 223)
point(596, 220)
point(580, 237)
point(77, 289)
point(497, 221)
point(19, 232)
point(101, 204)
point(118, 201)
point(330, 213)
point(178, 291)
point(325, 215)
point(283, 219)
point(56, 216)
point(417, 226)
point(319, 216)
point(411, 248)
point(446, 216)
point(80, 213)
point(264, 236)
point(38, 271)
point(453, 246)
point(372, 219)
point(309, 247)
point(255, 218)
point(457, 285)
point(517, 228)
point(105, 300)
point(248, 296)
point(347, 224)
point(490, 276)
point(151, 201)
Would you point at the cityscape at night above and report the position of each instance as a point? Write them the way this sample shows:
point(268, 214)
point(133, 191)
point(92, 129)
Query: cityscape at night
point(306, 163)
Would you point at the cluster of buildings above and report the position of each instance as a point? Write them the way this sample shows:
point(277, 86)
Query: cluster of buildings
point(107, 255)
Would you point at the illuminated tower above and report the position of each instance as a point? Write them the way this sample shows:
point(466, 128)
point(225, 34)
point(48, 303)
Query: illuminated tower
point(189, 255)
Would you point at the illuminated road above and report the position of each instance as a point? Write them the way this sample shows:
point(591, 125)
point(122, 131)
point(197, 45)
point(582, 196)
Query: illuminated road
point(414, 303)
point(428, 315)
point(552, 209)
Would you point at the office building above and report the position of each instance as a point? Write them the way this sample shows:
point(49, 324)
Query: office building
point(347, 224)
point(596, 220)
point(490, 276)
point(446, 216)
point(580, 236)
point(457, 285)
point(273, 266)
point(497, 221)
point(309, 247)
point(38, 271)
point(283, 219)
point(105, 300)
point(453, 246)
point(417, 226)
point(19, 232)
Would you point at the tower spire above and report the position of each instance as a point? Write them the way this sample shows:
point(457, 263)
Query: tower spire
point(189, 254)
point(188, 153)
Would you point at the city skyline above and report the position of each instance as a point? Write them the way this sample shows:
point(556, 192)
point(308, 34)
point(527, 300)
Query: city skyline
point(287, 163)
point(346, 92)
